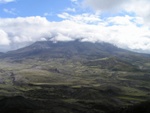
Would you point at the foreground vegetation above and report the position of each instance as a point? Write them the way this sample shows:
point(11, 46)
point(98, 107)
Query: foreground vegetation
point(69, 86)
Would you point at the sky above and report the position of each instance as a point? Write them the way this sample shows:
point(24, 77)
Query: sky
point(124, 23)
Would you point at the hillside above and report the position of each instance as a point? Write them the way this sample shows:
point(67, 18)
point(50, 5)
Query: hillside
point(1, 53)
point(77, 77)
point(67, 49)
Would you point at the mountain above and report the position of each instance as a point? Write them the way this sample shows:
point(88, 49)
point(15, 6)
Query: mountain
point(104, 55)
point(88, 50)
point(75, 77)
point(1, 53)
point(64, 49)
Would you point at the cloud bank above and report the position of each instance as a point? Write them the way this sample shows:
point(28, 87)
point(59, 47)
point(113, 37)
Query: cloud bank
point(138, 7)
point(123, 31)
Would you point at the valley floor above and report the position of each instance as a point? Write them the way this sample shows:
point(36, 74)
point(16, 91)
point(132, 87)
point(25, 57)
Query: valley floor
point(65, 86)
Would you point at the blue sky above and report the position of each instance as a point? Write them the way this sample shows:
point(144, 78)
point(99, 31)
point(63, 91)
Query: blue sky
point(124, 23)
point(24, 8)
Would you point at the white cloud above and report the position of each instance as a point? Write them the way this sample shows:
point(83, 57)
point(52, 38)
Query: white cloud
point(82, 18)
point(70, 10)
point(74, 0)
point(6, 1)
point(24, 29)
point(104, 5)
point(125, 20)
point(47, 14)
point(10, 11)
point(4, 38)
point(122, 31)
point(138, 7)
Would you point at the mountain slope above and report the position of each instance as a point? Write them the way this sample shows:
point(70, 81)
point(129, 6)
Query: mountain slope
point(77, 77)
point(47, 49)
point(90, 53)
point(1, 53)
